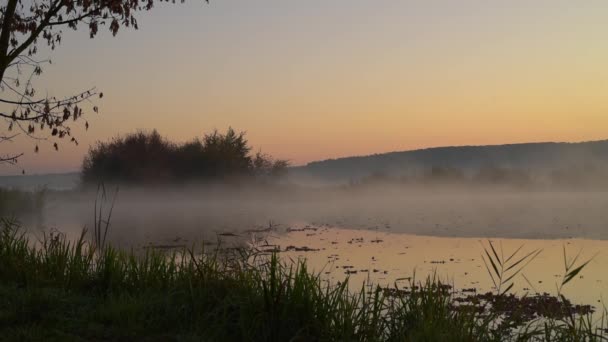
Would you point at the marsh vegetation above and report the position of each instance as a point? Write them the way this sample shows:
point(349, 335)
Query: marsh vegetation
point(86, 289)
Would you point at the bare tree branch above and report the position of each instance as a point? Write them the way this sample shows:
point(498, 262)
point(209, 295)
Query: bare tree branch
point(25, 24)
point(9, 159)
point(12, 160)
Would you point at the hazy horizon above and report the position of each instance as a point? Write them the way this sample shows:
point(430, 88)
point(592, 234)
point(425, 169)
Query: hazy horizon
point(19, 172)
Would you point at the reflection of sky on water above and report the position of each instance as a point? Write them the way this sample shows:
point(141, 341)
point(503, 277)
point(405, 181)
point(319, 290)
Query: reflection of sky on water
point(388, 258)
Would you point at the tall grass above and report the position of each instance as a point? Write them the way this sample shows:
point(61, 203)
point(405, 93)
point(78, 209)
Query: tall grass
point(571, 325)
point(70, 290)
point(504, 270)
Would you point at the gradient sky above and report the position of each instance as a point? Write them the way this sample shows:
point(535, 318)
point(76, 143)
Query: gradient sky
point(321, 79)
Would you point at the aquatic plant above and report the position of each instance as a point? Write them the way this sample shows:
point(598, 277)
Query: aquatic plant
point(504, 270)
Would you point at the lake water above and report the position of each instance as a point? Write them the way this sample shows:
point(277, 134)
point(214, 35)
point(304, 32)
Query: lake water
point(386, 259)
point(385, 235)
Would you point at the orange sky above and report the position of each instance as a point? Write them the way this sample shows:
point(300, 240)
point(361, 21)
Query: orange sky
point(316, 80)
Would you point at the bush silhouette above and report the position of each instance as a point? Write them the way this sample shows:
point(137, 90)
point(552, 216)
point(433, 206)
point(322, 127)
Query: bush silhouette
point(148, 158)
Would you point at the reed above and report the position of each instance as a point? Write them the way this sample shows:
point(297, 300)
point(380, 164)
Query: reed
point(58, 289)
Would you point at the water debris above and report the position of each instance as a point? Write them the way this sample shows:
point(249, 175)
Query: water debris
point(445, 287)
point(165, 246)
point(259, 230)
point(527, 308)
point(271, 226)
point(289, 230)
point(300, 249)
point(404, 278)
point(394, 292)
point(228, 234)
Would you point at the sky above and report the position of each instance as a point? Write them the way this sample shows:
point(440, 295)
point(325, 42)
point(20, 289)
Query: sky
point(318, 79)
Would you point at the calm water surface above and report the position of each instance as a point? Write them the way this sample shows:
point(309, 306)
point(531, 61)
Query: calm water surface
point(391, 258)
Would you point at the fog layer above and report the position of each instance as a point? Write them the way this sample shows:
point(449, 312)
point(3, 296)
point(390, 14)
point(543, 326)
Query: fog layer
point(186, 214)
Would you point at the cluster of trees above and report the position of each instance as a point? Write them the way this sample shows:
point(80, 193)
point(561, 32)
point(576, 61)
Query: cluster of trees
point(581, 176)
point(483, 175)
point(448, 174)
point(149, 158)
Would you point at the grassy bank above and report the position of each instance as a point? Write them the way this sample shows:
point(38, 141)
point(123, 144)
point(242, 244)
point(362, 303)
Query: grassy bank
point(61, 290)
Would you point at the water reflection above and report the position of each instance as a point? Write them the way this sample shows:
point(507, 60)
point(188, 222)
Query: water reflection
point(389, 258)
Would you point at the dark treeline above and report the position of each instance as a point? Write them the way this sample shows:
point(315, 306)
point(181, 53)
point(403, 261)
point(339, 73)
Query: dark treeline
point(570, 162)
point(580, 177)
point(149, 158)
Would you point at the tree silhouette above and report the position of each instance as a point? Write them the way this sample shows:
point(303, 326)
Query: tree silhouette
point(25, 24)
point(147, 158)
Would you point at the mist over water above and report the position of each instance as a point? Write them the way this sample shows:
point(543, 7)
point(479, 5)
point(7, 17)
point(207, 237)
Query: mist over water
point(154, 215)
point(385, 233)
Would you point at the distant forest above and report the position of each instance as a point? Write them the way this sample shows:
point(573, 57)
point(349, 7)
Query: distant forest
point(149, 158)
point(587, 179)
point(565, 164)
